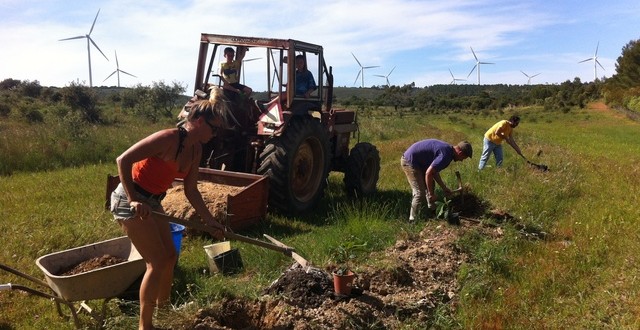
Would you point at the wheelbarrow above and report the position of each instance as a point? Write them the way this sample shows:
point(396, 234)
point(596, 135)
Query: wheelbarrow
point(103, 283)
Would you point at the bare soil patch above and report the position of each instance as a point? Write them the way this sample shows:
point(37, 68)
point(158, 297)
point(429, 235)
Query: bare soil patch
point(418, 275)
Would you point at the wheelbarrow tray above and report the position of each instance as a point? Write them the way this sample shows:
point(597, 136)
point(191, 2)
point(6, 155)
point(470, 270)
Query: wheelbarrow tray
point(101, 283)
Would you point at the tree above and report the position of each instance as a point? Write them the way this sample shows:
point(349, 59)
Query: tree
point(628, 66)
point(623, 89)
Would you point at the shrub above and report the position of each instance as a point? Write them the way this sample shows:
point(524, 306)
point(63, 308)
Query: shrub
point(83, 100)
point(5, 110)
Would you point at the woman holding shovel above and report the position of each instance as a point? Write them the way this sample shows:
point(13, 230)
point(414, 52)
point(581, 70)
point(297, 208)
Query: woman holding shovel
point(147, 169)
point(501, 131)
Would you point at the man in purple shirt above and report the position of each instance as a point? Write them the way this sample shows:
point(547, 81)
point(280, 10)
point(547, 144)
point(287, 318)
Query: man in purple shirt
point(422, 164)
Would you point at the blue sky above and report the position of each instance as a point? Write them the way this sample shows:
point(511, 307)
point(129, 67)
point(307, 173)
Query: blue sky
point(158, 40)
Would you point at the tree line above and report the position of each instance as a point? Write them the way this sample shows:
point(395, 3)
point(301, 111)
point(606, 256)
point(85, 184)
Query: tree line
point(31, 101)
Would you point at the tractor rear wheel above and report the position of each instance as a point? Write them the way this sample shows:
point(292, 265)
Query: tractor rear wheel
point(362, 170)
point(297, 164)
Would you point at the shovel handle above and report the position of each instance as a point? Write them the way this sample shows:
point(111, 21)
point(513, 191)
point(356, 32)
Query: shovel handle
point(227, 234)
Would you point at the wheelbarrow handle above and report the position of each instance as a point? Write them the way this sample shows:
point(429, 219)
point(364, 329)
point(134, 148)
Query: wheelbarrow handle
point(23, 275)
point(227, 234)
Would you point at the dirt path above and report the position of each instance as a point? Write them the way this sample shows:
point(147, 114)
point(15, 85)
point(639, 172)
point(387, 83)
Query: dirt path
point(621, 114)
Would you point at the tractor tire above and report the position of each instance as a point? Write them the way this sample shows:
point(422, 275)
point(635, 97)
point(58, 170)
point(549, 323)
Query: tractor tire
point(362, 170)
point(297, 164)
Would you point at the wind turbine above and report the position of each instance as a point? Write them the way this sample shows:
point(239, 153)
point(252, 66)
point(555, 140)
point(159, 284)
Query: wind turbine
point(89, 40)
point(247, 60)
point(361, 72)
point(529, 77)
point(595, 63)
point(386, 77)
point(118, 71)
point(454, 79)
point(477, 65)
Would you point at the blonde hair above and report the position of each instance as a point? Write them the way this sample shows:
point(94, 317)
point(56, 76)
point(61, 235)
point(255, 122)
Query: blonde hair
point(216, 106)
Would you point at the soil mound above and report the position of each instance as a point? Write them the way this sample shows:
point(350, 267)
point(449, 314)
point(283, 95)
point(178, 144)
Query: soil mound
point(91, 264)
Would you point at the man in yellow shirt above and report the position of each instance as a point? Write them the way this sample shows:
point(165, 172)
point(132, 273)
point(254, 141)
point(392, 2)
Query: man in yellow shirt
point(501, 131)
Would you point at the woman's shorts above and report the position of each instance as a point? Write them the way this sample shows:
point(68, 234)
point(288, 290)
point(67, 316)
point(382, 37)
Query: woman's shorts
point(120, 207)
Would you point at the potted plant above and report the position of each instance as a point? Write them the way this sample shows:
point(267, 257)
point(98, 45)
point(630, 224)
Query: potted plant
point(343, 276)
point(343, 281)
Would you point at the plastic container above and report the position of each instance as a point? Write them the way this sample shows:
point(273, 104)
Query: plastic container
point(176, 232)
point(223, 259)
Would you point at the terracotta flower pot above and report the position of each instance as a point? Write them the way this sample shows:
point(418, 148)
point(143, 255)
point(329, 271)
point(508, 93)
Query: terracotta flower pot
point(342, 283)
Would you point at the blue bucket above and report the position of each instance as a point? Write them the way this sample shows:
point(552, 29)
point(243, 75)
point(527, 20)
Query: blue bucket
point(176, 233)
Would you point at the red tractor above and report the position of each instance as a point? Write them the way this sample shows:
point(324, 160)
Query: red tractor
point(295, 140)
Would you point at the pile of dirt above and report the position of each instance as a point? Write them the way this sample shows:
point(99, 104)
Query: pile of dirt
point(418, 276)
point(91, 264)
point(304, 289)
point(421, 276)
point(215, 196)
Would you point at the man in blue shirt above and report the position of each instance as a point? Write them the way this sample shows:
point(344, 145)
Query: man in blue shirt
point(422, 164)
point(305, 84)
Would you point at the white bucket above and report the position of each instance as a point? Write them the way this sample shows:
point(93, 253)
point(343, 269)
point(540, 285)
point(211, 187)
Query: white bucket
point(212, 251)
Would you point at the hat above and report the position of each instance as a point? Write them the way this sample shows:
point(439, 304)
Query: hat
point(466, 148)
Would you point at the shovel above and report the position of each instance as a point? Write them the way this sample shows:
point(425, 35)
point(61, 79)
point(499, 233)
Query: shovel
point(277, 246)
point(540, 167)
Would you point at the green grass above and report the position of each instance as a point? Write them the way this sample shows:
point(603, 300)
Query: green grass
point(583, 276)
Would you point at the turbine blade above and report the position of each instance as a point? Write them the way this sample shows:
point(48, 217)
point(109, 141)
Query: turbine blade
point(371, 67)
point(474, 54)
point(252, 59)
point(356, 60)
point(589, 59)
point(474, 67)
point(598, 62)
point(78, 37)
point(391, 71)
point(112, 73)
point(94, 22)
point(117, 65)
point(596, 53)
point(128, 73)
point(105, 56)
point(377, 75)
point(358, 76)
point(524, 73)
point(454, 78)
point(535, 75)
point(485, 63)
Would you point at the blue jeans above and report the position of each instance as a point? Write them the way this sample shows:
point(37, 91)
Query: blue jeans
point(489, 147)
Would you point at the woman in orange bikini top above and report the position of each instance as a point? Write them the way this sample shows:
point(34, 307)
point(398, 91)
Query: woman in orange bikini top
point(147, 169)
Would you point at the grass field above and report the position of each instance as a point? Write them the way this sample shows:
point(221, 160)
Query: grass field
point(583, 277)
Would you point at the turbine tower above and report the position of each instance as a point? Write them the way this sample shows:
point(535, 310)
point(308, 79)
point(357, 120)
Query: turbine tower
point(387, 76)
point(529, 77)
point(361, 72)
point(477, 65)
point(248, 60)
point(595, 63)
point(454, 79)
point(89, 42)
point(117, 71)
